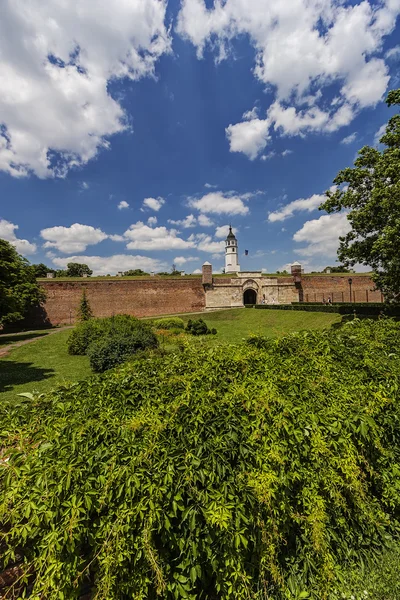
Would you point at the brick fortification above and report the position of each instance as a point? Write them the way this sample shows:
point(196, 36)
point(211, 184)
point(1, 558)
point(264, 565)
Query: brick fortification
point(153, 297)
point(141, 298)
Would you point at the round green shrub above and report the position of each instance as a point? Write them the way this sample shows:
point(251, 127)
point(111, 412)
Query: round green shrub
point(169, 323)
point(84, 334)
point(231, 473)
point(115, 348)
point(197, 327)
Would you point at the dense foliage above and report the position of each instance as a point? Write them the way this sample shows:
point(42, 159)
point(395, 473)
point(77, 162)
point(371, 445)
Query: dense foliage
point(249, 472)
point(18, 288)
point(370, 192)
point(41, 270)
point(359, 308)
point(169, 323)
point(199, 327)
point(110, 341)
point(84, 310)
point(77, 270)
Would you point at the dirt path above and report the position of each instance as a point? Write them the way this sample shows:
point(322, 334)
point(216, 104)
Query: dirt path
point(4, 350)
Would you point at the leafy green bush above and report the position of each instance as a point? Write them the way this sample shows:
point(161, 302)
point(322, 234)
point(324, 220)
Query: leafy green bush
point(115, 348)
point(198, 327)
point(169, 323)
point(228, 473)
point(360, 308)
point(87, 332)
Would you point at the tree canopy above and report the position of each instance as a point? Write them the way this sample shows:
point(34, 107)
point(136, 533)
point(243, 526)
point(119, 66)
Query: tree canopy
point(41, 270)
point(77, 270)
point(18, 288)
point(370, 192)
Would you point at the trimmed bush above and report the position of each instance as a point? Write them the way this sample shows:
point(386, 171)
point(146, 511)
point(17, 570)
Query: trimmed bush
point(230, 473)
point(87, 332)
point(198, 327)
point(115, 348)
point(169, 323)
point(361, 308)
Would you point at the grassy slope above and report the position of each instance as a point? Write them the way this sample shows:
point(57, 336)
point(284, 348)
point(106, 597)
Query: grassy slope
point(40, 366)
point(45, 363)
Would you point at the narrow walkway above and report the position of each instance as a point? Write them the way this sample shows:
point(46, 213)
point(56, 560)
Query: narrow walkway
point(4, 350)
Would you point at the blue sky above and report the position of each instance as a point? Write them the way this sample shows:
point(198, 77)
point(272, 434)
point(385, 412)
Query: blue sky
point(133, 132)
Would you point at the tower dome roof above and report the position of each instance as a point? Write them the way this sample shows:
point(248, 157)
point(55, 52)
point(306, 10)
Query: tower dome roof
point(231, 235)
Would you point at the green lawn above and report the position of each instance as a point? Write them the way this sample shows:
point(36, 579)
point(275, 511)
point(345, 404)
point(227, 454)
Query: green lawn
point(40, 366)
point(6, 339)
point(45, 363)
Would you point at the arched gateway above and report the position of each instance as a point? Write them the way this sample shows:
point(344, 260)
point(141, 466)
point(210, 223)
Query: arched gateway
point(250, 297)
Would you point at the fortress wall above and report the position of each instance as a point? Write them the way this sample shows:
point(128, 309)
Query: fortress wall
point(141, 298)
point(315, 288)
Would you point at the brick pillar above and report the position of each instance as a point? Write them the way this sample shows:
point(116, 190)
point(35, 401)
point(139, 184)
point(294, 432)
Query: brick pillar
point(206, 270)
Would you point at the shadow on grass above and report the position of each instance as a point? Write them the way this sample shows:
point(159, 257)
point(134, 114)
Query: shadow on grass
point(13, 373)
point(7, 338)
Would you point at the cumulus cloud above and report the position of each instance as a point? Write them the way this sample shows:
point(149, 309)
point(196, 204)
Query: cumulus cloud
point(249, 137)
point(381, 131)
point(205, 243)
point(210, 185)
point(104, 265)
point(72, 239)
point(302, 204)
point(299, 44)
point(222, 232)
point(221, 203)
point(153, 203)
point(7, 232)
point(123, 204)
point(181, 260)
point(57, 60)
point(186, 223)
point(349, 139)
point(322, 235)
point(143, 237)
point(152, 221)
point(204, 221)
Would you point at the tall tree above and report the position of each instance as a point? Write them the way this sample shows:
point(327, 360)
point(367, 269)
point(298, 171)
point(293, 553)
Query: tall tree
point(370, 193)
point(18, 288)
point(77, 270)
point(84, 311)
point(40, 270)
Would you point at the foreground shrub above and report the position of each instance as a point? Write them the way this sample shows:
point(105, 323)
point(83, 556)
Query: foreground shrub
point(89, 331)
point(115, 348)
point(231, 473)
point(199, 327)
point(169, 323)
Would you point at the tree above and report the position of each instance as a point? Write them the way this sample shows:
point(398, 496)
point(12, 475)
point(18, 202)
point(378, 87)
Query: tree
point(370, 193)
point(84, 311)
point(77, 270)
point(18, 288)
point(338, 269)
point(40, 270)
point(135, 273)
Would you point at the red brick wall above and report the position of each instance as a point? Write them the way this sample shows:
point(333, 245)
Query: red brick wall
point(316, 288)
point(142, 298)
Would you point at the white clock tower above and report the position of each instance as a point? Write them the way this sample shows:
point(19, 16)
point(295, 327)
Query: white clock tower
point(231, 253)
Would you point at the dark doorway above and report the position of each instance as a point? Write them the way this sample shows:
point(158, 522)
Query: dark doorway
point(250, 297)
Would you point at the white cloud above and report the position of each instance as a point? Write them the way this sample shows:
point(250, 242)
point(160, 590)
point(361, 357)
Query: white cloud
point(302, 204)
point(299, 44)
point(85, 185)
point(57, 60)
point(197, 272)
point(249, 137)
point(222, 232)
point(393, 53)
point(7, 232)
point(322, 235)
point(152, 221)
point(349, 139)
point(117, 238)
point(153, 203)
point(72, 239)
point(123, 204)
point(205, 221)
point(142, 237)
point(249, 115)
point(205, 243)
point(287, 152)
point(221, 203)
point(381, 131)
point(186, 223)
point(103, 265)
point(181, 260)
point(210, 185)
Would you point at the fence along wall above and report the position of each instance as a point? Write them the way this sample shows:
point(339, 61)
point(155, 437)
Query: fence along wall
point(316, 288)
point(141, 298)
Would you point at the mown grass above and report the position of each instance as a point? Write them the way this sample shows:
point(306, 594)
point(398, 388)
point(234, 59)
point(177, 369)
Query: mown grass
point(7, 339)
point(45, 363)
